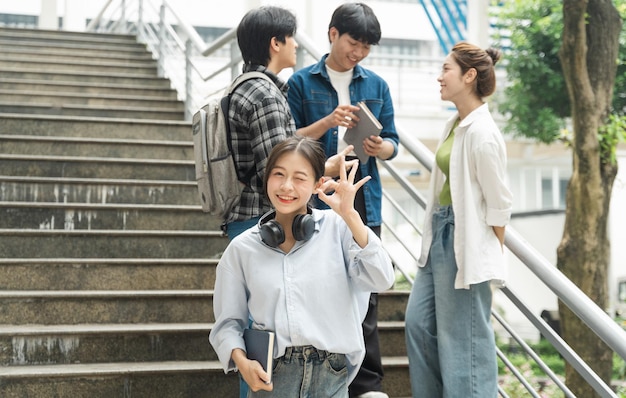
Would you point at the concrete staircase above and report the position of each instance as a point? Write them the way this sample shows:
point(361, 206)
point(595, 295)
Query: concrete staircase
point(107, 262)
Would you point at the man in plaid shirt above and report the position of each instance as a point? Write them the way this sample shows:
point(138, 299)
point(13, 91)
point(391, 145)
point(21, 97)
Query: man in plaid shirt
point(259, 115)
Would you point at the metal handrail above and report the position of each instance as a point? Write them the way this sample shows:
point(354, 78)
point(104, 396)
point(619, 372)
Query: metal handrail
point(562, 347)
point(96, 21)
point(606, 329)
point(218, 43)
point(574, 298)
point(532, 353)
point(518, 375)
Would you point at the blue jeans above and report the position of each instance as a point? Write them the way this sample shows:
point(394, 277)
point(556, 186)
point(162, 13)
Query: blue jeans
point(308, 372)
point(449, 337)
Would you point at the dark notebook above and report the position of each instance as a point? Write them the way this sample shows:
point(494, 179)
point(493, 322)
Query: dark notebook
point(367, 125)
point(260, 347)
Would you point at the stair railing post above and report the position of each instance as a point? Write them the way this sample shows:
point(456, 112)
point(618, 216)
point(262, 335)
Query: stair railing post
point(234, 53)
point(161, 44)
point(121, 27)
point(94, 23)
point(188, 83)
point(140, 19)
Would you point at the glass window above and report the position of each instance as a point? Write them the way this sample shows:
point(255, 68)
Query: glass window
point(622, 291)
point(562, 192)
point(549, 198)
point(546, 193)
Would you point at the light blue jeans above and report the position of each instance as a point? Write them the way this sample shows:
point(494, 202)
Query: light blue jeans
point(449, 337)
point(308, 372)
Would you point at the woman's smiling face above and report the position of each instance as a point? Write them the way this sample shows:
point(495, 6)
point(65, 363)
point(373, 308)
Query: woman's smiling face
point(291, 183)
point(451, 80)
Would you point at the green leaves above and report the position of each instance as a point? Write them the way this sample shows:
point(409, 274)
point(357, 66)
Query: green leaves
point(536, 100)
point(609, 135)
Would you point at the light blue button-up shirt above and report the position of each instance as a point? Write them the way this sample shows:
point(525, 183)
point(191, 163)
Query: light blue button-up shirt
point(317, 294)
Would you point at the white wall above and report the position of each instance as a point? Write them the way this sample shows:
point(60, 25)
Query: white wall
point(617, 227)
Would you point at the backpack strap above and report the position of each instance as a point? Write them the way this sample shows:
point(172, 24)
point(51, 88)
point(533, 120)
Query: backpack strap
point(247, 76)
point(225, 105)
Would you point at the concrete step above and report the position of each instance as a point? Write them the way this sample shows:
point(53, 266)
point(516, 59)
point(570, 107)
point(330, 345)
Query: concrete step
point(136, 112)
point(77, 66)
point(70, 41)
point(106, 273)
point(127, 51)
point(102, 343)
point(48, 307)
point(392, 340)
point(56, 74)
point(44, 36)
point(101, 147)
point(392, 304)
point(55, 54)
point(103, 216)
point(61, 99)
point(54, 307)
point(396, 381)
point(94, 127)
point(130, 49)
point(93, 167)
point(98, 190)
point(45, 86)
point(198, 379)
point(47, 243)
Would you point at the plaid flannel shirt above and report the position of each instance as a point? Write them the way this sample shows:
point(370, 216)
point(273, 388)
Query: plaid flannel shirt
point(259, 119)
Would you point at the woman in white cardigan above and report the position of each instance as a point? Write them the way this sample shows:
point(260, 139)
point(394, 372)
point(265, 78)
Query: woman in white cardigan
point(450, 340)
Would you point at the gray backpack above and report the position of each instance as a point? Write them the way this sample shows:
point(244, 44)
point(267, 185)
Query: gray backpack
point(219, 184)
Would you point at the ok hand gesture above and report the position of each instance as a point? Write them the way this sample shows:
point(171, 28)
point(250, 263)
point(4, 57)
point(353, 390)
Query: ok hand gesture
point(342, 199)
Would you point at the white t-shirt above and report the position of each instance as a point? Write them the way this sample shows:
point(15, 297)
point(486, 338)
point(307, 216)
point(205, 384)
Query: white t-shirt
point(341, 84)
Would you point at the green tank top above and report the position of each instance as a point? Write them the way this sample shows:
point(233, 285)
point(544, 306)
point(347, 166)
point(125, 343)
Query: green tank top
point(442, 157)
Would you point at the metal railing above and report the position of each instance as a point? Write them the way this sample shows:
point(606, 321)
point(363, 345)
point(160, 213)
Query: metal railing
point(448, 19)
point(177, 47)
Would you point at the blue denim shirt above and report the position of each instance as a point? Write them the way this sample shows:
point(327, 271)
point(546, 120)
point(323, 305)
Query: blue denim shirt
point(312, 97)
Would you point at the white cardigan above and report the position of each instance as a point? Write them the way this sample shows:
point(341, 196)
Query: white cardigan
point(480, 199)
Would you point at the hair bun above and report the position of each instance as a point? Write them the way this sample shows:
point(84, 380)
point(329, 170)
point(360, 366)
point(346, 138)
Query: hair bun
point(494, 53)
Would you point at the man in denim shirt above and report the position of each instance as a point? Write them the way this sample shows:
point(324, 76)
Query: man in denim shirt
point(322, 100)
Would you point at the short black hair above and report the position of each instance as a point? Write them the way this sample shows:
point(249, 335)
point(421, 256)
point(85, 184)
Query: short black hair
point(358, 20)
point(258, 27)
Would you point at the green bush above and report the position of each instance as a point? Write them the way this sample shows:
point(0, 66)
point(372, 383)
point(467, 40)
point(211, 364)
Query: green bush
point(619, 368)
point(402, 283)
point(554, 362)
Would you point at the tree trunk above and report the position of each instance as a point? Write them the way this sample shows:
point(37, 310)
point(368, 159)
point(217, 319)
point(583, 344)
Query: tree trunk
point(588, 54)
